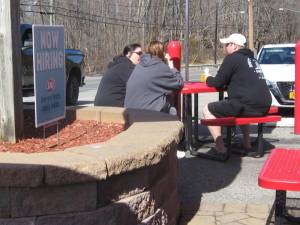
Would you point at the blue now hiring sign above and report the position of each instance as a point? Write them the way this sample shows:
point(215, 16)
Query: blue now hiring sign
point(49, 73)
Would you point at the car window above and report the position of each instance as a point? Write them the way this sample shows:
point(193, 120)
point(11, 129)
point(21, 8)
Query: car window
point(282, 55)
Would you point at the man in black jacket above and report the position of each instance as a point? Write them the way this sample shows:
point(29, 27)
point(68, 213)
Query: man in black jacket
point(248, 94)
point(112, 88)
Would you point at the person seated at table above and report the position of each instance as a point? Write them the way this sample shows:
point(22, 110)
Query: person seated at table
point(112, 88)
point(248, 94)
point(153, 81)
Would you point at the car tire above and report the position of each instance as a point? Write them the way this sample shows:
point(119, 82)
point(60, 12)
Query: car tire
point(72, 92)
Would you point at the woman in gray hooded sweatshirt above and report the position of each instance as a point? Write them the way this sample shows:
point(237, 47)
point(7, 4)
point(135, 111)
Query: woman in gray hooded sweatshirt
point(153, 81)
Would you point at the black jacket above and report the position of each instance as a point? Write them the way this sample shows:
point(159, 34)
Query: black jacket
point(112, 88)
point(243, 78)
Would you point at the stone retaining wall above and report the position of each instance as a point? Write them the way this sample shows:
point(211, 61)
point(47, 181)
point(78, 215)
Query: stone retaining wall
point(130, 179)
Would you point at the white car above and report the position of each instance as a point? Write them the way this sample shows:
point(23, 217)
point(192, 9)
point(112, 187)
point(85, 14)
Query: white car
point(277, 62)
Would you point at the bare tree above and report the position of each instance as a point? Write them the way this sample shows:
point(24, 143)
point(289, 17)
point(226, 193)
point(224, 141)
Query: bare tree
point(101, 28)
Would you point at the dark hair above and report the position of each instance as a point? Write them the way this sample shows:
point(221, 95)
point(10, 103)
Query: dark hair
point(130, 48)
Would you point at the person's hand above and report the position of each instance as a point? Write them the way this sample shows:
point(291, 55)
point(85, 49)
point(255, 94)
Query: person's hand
point(169, 61)
point(167, 56)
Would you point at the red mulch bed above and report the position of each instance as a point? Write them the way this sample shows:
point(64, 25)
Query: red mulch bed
point(71, 133)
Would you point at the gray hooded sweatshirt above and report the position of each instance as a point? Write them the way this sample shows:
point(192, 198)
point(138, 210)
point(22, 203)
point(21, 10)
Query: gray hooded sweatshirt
point(150, 83)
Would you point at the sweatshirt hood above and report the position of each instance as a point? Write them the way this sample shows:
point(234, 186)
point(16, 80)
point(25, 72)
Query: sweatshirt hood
point(247, 52)
point(117, 60)
point(148, 60)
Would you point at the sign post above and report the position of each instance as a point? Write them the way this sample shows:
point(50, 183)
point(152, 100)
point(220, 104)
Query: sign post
point(297, 89)
point(49, 73)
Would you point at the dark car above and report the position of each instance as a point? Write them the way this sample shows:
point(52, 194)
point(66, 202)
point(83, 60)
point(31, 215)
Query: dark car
point(74, 67)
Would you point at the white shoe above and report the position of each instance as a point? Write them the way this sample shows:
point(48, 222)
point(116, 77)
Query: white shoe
point(180, 154)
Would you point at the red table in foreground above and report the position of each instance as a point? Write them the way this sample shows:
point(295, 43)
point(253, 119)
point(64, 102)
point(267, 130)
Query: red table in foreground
point(281, 172)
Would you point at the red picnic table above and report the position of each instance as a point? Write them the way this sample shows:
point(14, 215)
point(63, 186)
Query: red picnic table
point(191, 121)
point(190, 129)
point(281, 172)
point(196, 87)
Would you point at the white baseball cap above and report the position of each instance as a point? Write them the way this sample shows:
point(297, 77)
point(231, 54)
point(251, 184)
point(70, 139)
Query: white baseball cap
point(236, 38)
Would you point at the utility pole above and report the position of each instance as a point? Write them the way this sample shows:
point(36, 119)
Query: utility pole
point(186, 40)
point(250, 24)
point(177, 7)
point(11, 104)
point(143, 34)
point(51, 13)
point(145, 10)
point(143, 25)
point(216, 33)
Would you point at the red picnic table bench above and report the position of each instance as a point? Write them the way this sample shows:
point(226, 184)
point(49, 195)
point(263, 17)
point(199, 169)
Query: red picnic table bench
point(231, 122)
point(281, 172)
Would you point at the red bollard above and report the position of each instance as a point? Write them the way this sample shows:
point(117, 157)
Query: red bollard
point(174, 50)
point(297, 89)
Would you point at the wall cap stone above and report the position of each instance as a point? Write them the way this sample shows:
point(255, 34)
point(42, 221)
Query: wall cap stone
point(149, 137)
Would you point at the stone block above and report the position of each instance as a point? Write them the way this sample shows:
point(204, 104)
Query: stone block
point(4, 203)
point(53, 168)
point(164, 129)
point(234, 207)
point(52, 200)
point(232, 217)
point(113, 115)
point(164, 188)
point(231, 223)
point(171, 207)
point(114, 214)
point(258, 215)
point(21, 221)
point(253, 221)
point(89, 113)
point(159, 217)
point(17, 171)
point(69, 167)
point(167, 214)
point(122, 186)
point(142, 205)
point(139, 115)
point(131, 155)
point(75, 172)
point(206, 213)
point(211, 207)
point(203, 220)
point(254, 208)
point(159, 170)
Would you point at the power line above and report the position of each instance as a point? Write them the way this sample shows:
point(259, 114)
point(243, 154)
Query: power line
point(122, 5)
point(194, 27)
point(103, 22)
point(77, 14)
point(56, 8)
